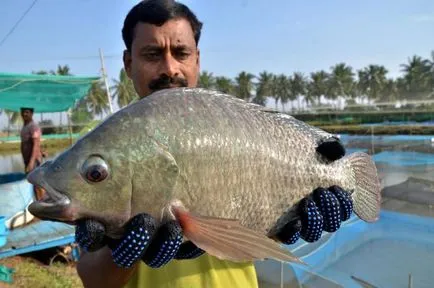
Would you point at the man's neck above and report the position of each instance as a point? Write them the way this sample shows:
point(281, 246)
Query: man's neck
point(28, 121)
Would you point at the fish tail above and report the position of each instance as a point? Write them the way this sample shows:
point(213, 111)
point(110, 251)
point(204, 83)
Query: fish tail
point(227, 239)
point(367, 192)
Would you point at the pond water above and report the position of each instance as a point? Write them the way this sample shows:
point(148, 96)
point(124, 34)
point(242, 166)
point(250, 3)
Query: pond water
point(398, 157)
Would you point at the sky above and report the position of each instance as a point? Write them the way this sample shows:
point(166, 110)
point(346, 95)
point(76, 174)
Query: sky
point(280, 36)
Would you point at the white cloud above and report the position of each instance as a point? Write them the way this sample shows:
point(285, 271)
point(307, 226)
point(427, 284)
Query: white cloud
point(423, 18)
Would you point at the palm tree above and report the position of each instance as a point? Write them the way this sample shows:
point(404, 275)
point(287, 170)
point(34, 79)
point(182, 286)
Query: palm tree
point(13, 118)
point(224, 85)
point(260, 100)
point(124, 89)
point(275, 89)
point(96, 98)
point(244, 85)
point(264, 88)
point(265, 83)
point(417, 76)
point(341, 82)
point(372, 81)
point(63, 70)
point(431, 74)
point(318, 86)
point(282, 86)
point(298, 88)
point(206, 80)
point(401, 86)
point(390, 91)
point(80, 113)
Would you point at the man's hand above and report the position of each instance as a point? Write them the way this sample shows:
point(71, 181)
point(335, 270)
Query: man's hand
point(323, 210)
point(30, 166)
point(141, 241)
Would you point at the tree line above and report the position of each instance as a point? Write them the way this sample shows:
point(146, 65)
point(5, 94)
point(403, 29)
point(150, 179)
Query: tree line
point(342, 81)
point(316, 89)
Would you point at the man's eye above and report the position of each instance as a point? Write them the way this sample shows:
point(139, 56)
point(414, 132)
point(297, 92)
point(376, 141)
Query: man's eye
point(182, 55)
point(151, 55)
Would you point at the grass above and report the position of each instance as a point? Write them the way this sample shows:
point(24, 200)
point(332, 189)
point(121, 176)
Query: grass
point(32, 273)
point(48, 145)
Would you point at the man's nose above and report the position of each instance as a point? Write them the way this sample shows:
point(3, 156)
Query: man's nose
point(170, 66)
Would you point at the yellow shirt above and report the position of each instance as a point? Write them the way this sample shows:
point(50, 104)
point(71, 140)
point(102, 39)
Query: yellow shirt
point(202, 272)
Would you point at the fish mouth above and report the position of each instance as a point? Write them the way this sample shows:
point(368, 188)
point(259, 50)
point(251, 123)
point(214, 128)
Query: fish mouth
point(54, 205)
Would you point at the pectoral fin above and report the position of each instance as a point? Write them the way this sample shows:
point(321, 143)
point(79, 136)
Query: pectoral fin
point(228, 240)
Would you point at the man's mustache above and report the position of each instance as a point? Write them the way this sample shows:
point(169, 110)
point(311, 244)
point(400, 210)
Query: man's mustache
point(165, 82)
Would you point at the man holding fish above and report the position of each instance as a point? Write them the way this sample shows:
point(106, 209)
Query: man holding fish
point(161, 38)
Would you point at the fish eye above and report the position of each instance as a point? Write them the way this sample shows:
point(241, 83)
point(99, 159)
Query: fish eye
point(94, 169)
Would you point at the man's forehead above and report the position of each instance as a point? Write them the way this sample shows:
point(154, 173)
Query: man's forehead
point(177, 31)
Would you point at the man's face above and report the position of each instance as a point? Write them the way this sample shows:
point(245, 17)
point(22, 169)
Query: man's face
point(26, 115)
point(162, 57)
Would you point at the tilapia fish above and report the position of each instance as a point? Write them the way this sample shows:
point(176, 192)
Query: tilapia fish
point(231, 172)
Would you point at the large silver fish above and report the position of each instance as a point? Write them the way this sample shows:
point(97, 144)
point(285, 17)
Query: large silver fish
point(227, 170)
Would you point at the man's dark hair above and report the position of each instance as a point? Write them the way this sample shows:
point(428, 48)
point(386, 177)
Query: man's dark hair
point(158, 12)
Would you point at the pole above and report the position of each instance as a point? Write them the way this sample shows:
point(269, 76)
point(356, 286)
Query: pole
point(68, 114)
point(104, 75)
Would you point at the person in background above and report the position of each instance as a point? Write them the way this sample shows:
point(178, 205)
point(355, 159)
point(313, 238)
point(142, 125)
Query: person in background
point(31, 145)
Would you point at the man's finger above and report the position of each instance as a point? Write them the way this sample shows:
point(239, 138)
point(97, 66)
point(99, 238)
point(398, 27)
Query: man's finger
point(345, 201)
point(130, 248)
point(188, 250)
point(328, 206)
point(290, 233)
point(89, 235)
point(164, 246)
point(312, 222)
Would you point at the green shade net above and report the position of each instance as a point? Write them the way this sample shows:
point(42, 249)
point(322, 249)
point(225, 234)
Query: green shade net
point(44, 93)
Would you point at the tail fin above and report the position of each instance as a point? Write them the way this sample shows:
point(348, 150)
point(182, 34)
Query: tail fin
point(367, 193)
point(228, 240)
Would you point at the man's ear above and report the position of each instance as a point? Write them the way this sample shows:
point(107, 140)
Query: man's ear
point(198, 59)
point(127, 62)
